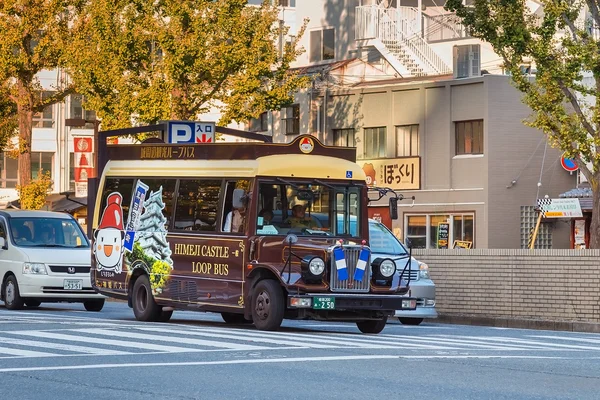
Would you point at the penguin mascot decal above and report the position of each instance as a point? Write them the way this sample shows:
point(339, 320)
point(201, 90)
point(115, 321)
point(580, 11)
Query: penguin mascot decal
point(108, 246)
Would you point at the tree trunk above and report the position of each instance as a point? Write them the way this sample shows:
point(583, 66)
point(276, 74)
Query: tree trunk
point(595, 225)
point(25, 116)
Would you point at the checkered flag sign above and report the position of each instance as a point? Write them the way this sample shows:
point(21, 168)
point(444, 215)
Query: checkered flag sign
point(559, 208)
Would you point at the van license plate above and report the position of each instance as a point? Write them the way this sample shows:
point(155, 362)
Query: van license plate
point(73, 284)
point(324, 303)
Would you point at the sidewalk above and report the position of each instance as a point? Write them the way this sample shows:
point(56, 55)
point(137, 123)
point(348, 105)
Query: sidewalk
point(506, 322)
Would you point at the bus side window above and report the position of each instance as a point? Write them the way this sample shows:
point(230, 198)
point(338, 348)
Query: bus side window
point(196, 206)
point(234, 221)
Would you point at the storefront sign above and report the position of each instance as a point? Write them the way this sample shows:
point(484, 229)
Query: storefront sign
point(462, 244)
point(396, 173)
point(443, 235)
point(84, 163)
point(560, 208)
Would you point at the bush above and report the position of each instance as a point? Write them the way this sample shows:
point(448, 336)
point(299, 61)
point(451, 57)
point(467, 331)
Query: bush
point(33, 195)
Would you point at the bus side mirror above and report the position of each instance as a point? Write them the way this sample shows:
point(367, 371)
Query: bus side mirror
point(394, 208)
point(239, 198)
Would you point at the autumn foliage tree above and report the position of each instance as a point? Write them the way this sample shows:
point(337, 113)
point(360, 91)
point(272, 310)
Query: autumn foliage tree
point(33, 37)
point(141, 62)
point(564, 47)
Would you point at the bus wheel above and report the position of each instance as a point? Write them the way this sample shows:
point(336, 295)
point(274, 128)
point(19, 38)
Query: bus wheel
point(233, 318)
point(374, 326)
point(144, 306)
point(267, 305)
point(165, 316)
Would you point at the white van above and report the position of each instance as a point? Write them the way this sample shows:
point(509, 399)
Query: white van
point(44, 257)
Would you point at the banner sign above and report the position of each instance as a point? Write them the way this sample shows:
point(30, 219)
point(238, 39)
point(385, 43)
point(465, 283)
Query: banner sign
point(396, 173)
point(560, 208)
point(84, 163)
point(135, 211)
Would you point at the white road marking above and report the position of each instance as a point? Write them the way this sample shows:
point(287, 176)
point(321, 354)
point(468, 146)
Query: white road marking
point(109, 342)
point(267, 361)
point(60, 346)
point(535, 342)
point(573, 339)
point(195, 342)
point(24, 353)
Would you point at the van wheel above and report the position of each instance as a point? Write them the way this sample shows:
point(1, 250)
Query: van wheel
point(12, 298)
point(233, 318)
point(32, 303)
point(268, 305)
point(410, 321)
point(93, 305)
point(374, 326)
point(165, 316)
point(144, 306)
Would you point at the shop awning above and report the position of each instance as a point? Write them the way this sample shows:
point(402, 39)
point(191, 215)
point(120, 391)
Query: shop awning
point(584, 194)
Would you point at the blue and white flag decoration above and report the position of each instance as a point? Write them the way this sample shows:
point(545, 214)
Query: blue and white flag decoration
point(340, 263)
point(361, 265)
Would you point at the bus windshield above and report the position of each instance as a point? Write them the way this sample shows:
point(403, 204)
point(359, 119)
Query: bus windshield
point(303, 208)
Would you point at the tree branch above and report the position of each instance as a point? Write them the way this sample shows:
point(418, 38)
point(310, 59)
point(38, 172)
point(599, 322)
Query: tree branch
point(215, 89)
point(55, 98)
point(578, 111)
point(594, 10)
point(573, 29)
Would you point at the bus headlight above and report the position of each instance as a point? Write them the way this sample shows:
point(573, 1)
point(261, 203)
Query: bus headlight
point(313, 268)
point(383, 268)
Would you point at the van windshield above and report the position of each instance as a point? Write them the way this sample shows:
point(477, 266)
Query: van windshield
point(381, 240)
point(315, 209)
point(47, 232)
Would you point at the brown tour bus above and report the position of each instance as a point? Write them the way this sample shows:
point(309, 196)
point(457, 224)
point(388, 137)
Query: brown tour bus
point(258, 232)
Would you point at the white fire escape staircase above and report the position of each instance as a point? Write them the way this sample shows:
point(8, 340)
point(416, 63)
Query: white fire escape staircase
point(396, 33)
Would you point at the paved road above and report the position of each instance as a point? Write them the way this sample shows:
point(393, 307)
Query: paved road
point(60, 351)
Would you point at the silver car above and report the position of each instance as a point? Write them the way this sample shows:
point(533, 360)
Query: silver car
point(385, 245)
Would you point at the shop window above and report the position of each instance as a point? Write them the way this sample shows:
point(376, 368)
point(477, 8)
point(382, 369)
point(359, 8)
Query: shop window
point(424, 230)
point(344, 137)
point(407, 140)
point(197, 204)
point(9, 168)
point(469, 137)
point(375, 142)
point(322, 45)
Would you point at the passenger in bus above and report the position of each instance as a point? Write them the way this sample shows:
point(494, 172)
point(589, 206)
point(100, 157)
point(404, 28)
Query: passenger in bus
point(235, 220)
point(299, 218)
point(267, 216)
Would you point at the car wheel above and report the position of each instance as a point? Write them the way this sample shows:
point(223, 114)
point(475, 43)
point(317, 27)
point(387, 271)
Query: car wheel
point(410, 321)
point(268, 305)
point(93, 305)
point(144, 306)
point(165, 316)
point(32, 303)
point(374, 326)
point(12, 298)
point(233, 318)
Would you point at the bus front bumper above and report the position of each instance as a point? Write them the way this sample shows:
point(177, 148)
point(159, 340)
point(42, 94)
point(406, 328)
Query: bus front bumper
point(350, 302)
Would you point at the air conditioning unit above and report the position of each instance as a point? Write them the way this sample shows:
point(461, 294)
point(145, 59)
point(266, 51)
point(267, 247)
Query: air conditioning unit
point(466, 60)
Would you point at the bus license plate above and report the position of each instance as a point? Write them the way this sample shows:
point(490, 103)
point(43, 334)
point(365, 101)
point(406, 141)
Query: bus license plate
point(73, 284)
point(324, 303)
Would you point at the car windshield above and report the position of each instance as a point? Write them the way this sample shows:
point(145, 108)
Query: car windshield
point(382, 240)
point(47, 232)
point(316, 209)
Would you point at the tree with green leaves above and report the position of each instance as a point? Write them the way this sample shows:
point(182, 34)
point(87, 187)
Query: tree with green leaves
point(141, 62)
point(33, 37)
point(564, 47)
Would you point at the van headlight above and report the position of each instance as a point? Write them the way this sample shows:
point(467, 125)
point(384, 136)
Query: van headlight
point(423, 270)
point(383, 268)
point(34, 269)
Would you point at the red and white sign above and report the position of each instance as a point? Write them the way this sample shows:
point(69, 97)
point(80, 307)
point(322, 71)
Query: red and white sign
point(84, 163)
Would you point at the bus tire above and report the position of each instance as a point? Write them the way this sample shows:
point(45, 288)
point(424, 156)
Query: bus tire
point(94, 305)
point(144, 306)
point(373, 326)
point(268, 305)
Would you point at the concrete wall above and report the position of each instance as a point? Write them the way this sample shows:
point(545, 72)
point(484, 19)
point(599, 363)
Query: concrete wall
point(531, 284)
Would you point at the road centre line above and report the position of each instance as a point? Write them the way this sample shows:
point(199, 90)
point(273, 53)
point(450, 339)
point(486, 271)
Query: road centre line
point(267, 361)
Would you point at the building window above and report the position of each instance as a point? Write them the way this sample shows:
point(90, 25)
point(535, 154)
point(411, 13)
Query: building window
point(9, 168)
point(375, 142)
point(424, 230)
point(291, 120)
point(44, 119)
point(407, 140)
point(344, 137)
point(41, 163)
point(469, 137)
point(260, 124)
point(77, 111)
point(317, 115)
point(286, 3)
point(322, 45)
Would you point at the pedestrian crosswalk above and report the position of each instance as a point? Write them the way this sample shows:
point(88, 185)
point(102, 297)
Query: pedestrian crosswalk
point(23, 336)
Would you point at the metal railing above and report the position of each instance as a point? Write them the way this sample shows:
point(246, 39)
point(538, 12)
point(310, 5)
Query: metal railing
point(444, 27)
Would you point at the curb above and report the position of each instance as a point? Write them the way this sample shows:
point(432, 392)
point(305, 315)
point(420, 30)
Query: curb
point(521, 323)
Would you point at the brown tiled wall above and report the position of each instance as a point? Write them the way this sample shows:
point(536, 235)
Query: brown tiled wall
point(538, 284)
